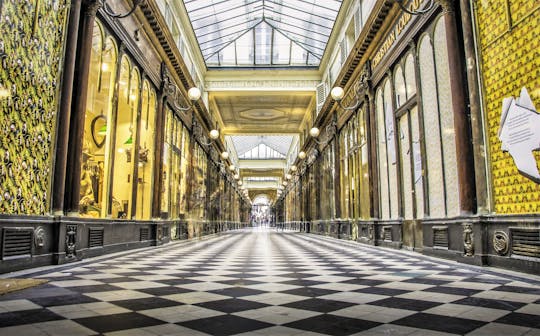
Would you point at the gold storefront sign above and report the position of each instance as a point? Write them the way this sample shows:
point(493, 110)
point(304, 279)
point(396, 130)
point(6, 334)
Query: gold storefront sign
point(395, 32)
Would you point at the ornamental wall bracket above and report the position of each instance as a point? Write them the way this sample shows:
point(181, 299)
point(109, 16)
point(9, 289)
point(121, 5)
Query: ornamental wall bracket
point(71, 240)
point(171, 90)
point(500, 242)
point(468, 240)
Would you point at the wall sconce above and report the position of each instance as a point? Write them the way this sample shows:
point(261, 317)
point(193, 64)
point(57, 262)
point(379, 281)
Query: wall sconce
point(236, 176)
point(337, 94)
point(136, 3)
point(193, 94)
point(198, 132)
point(232, 168)
point(414, 11)
point(328, 135)
point(302, 155)
point(288, 176)
point(294, 168)
point(225, 155)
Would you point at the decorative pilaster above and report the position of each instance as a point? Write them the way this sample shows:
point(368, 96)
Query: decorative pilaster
point(61, 155)
point(80, 91)
point(464, 153)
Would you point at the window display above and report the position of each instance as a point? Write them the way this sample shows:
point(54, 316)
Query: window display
point(97, 130)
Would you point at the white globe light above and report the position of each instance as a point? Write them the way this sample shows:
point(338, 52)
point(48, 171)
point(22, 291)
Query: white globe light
point(314, 132)
point(285, 183)
point(240, 183)
point(194, 93)
point(302, 155)
point(225, 155)
point(288, 176)
point(294, 168)
point(214, 134)
point(232, 167)
point(236, 176)
point(337, 93)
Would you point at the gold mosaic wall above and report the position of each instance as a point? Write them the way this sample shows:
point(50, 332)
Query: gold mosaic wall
point(31, 48)
point(509, 46)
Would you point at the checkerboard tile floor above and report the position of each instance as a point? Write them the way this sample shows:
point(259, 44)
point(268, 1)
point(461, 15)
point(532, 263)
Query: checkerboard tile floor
point(258, 282)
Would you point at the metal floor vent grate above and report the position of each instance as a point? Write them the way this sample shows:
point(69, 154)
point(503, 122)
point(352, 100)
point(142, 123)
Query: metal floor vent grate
point(16, 242)
point(526, 242)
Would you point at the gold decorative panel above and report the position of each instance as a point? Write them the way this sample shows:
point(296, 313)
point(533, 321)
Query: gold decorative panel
point(509, 46)
point(31, 49)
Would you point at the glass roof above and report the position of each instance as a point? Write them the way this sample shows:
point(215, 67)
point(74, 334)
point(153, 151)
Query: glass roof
point(262, 146)
point(262, 32)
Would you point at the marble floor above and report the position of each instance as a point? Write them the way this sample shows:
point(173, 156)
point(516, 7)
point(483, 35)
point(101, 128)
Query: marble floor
point(262, 282)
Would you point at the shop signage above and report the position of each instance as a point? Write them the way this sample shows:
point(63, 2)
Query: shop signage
point(520, 133)
point(395, 32)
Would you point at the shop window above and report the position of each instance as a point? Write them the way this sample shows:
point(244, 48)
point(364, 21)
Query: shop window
point(391, 149)
point(126, 133)
point(146, 152)
point(410, 76)
point(441, 168)
point(175, 163)
point(399, 87)
point(95, 158)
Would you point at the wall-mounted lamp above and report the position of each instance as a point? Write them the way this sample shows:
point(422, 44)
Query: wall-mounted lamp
point(411, 7)
point(288, 176)
point(232, 168)
point(285, 183)
point(302, 155)
point(240, 183)
point(225, 155)
point(294, 168)
point(193, 94)
point(338, 93)
point(106, 9)
point(328, 135)
point(236, 176)
point(198, 132)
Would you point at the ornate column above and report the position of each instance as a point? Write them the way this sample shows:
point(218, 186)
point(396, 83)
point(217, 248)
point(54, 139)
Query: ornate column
point(159, 140)
point(464, 153)
point(64, 114)
point(76, 131)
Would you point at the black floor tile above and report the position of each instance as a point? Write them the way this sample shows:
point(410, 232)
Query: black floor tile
point(62, 300)
point(489, 303)
point(309, 291)
point(453, 290)
point(381, 291)
point(108, 323)
point(440, 323)
point(516, 289)
point(332, 325)
point(27, 317)
point(237, 291)
point(427, 281)
point(231, 305)
point(520, 319)
point(302, 282)
point(45, 290)
point(240, 282)
point(146, 303)
point(320, 305)
point(364, 282)
point(225, 325)
point(162, 291)
point(179, 281)
point(94, 288)
point(408, 304)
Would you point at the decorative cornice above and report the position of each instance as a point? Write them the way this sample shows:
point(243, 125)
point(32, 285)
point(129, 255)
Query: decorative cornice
point(258, 84)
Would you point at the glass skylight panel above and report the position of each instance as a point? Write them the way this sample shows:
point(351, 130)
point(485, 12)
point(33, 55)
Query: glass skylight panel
point(244, 49)
point(282, 49)
point(222, 27)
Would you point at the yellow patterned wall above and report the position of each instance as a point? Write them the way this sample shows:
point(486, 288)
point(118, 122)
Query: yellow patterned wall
point(509, 43)
point(31, 48)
